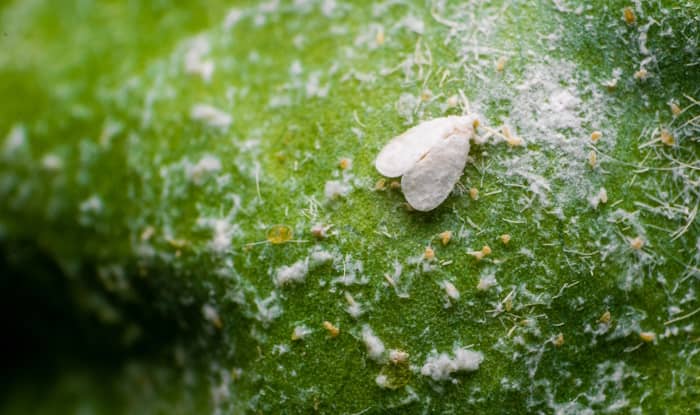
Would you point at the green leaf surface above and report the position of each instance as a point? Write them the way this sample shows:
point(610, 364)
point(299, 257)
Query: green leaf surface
point(150, 149)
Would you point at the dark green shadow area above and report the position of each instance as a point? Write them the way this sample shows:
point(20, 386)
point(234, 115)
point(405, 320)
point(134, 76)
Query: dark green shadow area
point(72, 345)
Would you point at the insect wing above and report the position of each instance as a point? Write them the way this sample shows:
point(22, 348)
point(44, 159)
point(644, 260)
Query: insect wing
point(432, 178)
point(402, 153)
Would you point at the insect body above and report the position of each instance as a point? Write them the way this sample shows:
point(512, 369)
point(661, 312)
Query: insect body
point(430, 157)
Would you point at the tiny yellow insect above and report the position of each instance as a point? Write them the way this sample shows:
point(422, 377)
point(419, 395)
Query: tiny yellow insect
point(279, 234)
point(641, 75)
point(511, 139)
point(380, 185)
point(445, 237)
point(320, 231)
point(474, 193)
point(637, 243)
point(452, 101)
point(559, 340)
point(398, 356)
point(675, 109)
point(666, 137)
point(332, 330)
point(379, 38)
point(592, 158)
point(501, 63)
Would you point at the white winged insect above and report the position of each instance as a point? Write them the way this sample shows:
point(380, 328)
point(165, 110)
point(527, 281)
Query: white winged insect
point(431, 158)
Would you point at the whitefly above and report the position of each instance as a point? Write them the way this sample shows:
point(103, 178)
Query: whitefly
point(430, 159)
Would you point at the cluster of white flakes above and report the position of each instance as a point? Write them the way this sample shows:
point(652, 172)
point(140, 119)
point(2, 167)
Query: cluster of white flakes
point(292, 273)
point(319, 256)
point(382, 381)
point(375, 347)
point(398, 280)
point(92, 205)
point(335, 189)
point(110, 129)
point(15, 140)
point(450, 290)
point(314, 88)
point(223, 231)
point(211, 314)
point(487, 280)
point(51, 162)
point(221, 391)
point(232, 18)
point(630, 249)
point(352, 272)
point(207, 166)
point(297, 272)
point(328, 7)
point(354, 308)
point(406, 106)
point(441, 367)
point(599, 198)
point(211, 116)
point(295, 69)
point(300, 332)
point(195, 61)
point(606, 395)
point(268, 309)
point(548, 108)
point(422, 264)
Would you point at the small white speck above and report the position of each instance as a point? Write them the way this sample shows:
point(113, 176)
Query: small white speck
point(486, 282)
point(280, 349)
point(292, 273)
point(441, 366)
point(211, 314)
point(328, 7)
point(51, 162)
point(15, 139)
point(320, 257)
point(295, 68)
point(211, 116)
point(300, 332)
point(375, 347)
point(195, 64)
point(335, 189)
point(204, 168)
point(223, 232)
point(600, 198)
point(232, 18)
point(450, 290)
point(91, 205)
point(354, 308)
